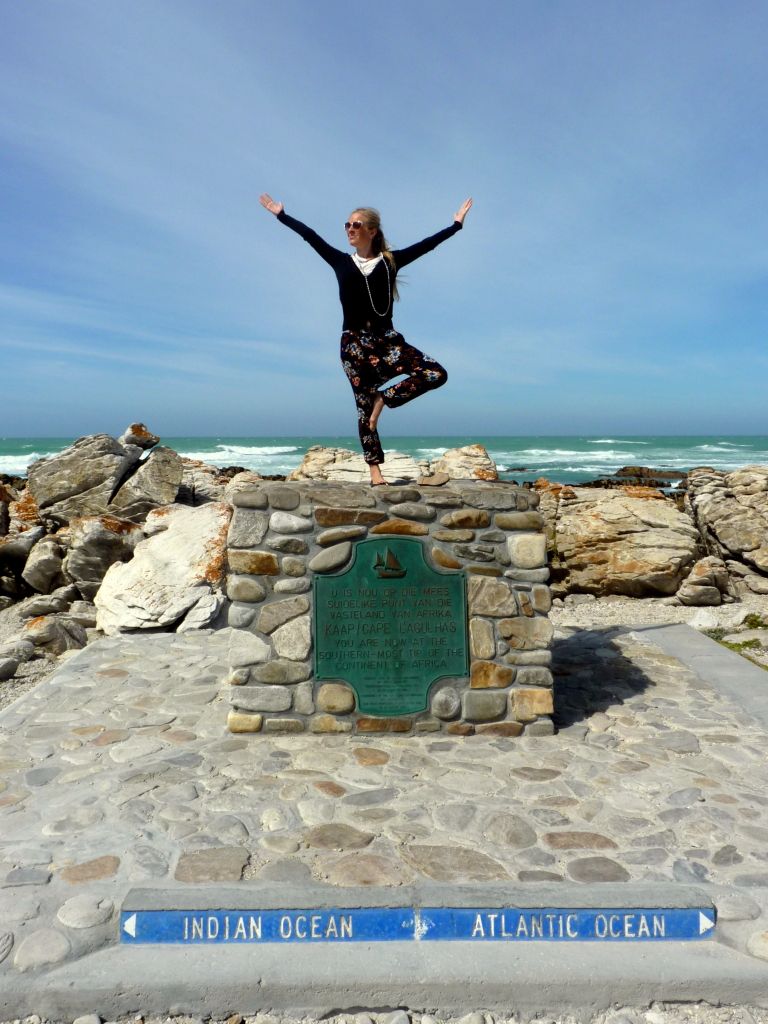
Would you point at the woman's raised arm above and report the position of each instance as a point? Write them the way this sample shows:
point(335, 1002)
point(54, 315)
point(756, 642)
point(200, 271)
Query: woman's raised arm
point(321, 247)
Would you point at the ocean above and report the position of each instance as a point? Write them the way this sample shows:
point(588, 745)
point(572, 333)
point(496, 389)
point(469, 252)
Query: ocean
point(564, 459)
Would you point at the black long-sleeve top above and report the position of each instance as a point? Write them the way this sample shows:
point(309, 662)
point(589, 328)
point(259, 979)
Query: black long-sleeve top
point(359, 311)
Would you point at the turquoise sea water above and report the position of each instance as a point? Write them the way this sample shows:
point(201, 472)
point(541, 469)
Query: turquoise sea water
point(565, 459)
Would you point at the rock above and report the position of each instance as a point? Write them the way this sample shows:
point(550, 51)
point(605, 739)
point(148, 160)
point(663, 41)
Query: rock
point(81, 479)
point(171, 571)
point(43, 566)
point(706, 583)
point(8, 667)
point(138, 435)
point(471, 462)
point(487, 596)
point(321, 463)
point(244, 490)
point(85, 911)
point(154, 484)
point(96, 543)
point(276, 613)
point(336, 698)
point(453, 864)
point(630, 541)
point(261, 698)
point(597, 869)
point(201, 483)
point(337, 837)
point(366, 869)
point(331, 558)
point(56, 633)
point(41, 948)
point(731, 511)
point(6, 944)
point(46, 604)
point(220, 864)
point(445, 703)
point(287, 522)
point(248, 528)
point(294, 639)
point(510, 830)
point(15, 548)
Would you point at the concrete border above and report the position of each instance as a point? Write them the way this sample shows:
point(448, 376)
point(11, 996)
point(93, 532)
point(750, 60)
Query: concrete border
point(726, 671)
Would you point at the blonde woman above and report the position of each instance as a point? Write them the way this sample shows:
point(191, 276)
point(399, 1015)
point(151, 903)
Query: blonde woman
point(372, 351)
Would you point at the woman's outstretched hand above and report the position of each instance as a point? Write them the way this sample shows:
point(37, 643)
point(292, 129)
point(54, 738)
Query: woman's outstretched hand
point(269, 204)
point(462, 211)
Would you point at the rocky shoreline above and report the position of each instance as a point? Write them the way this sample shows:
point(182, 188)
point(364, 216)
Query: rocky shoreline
point(619, 547)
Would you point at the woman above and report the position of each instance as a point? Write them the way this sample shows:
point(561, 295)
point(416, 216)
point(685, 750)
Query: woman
point(372, 352)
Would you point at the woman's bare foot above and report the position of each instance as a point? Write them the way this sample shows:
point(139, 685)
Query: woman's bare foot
point(376, 478)
point(378, 405)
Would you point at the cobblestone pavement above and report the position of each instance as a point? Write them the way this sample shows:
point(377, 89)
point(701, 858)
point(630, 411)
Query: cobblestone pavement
point(117, 770)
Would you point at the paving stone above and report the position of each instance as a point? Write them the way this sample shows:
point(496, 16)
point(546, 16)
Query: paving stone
point(509, 830)
point(85, 911)
point(41, 948)
point(148, 862)
point(736, 906)
point(6, 944)
point(337, 837)
point(27, 876)
point(453, 863)
point(597, 869)
point(578, 841)
point(366, 869)
point(370, 756)
point(91, 870)
point(220, 864)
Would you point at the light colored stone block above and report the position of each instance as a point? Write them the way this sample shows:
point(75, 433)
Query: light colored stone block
point(481, 640)
point(528, 703)
point(336, 698)
point(527, 550)
point(241, 721)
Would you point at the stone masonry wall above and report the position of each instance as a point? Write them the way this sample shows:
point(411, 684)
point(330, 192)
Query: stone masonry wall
point(284, 533)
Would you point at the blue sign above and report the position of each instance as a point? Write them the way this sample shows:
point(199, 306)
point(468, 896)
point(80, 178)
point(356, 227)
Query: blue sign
point(408, 924)
point(192, 927)
point(577, 925)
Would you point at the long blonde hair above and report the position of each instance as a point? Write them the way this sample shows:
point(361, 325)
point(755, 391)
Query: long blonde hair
point(372, 219)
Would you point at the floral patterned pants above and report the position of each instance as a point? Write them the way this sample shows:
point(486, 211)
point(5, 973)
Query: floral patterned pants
point(370, 360)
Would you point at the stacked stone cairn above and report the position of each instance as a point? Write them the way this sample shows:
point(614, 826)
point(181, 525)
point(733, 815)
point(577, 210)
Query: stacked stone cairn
point(283, 534)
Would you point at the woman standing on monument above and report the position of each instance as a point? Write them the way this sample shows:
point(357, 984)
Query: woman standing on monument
point(372, 351)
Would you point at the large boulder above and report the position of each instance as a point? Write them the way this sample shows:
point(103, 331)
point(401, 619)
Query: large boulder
point(631, 541)
point(176, 573)
point(342, 464)
point(99, 475)
point(472, 462)
point(154, 484)
point(96, 543)
point(82, 479)
point(731, 512)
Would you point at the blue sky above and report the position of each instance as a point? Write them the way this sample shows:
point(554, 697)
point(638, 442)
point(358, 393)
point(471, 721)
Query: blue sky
point(611, 275)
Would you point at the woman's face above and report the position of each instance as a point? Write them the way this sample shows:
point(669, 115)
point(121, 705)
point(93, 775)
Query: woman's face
point(359, 236)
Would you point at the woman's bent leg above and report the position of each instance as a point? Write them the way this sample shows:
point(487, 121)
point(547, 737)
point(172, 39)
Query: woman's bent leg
point(355, 361)
point(424, 373)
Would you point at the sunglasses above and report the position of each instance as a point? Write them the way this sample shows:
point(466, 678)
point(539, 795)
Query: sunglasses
point(352, 224)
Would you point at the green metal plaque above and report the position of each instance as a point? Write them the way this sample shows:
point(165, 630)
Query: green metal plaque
point(390, 625)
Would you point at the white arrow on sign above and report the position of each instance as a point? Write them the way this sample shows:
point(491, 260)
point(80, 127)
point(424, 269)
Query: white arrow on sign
point(705, 923)
point(130, 925)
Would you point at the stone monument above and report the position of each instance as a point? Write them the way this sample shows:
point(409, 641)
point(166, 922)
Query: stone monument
point(391, 610)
